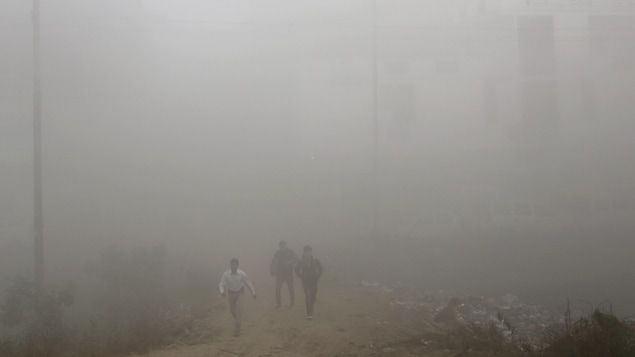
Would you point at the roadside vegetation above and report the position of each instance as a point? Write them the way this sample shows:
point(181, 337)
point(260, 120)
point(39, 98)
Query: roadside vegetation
point(599, 334)
point(124, 306)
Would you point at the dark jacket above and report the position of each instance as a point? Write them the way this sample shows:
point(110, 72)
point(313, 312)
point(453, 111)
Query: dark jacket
point(283, 261)
point(310, 270)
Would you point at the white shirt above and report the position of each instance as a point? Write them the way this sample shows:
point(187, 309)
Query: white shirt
point(235, 282)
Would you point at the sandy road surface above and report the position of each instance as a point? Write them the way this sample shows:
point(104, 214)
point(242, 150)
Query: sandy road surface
point(348, 321)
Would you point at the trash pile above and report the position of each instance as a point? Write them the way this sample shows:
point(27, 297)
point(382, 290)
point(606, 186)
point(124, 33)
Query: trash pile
point(519, 322)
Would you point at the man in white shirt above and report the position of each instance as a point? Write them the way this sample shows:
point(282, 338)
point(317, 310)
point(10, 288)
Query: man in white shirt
point(232, 284)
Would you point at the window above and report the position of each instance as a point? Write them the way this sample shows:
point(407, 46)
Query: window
point(536, 47)
point(540, 108)
point(589, 100)
point(398, 104)
point(612, 36)
point(447, 66)
point(490, 101)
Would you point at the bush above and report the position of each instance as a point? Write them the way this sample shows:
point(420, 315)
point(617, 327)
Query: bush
point(123, 306)
point(129, 301)
point(32, 321)
point(601, 334)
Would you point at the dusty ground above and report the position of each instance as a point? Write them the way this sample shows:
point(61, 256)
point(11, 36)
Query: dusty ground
point(349, 320)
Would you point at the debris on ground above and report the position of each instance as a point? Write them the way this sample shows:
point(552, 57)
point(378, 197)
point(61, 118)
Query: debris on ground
point(517, 321)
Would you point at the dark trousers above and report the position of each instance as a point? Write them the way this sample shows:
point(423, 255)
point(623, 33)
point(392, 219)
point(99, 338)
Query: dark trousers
point(282, 279)
point(310, 292)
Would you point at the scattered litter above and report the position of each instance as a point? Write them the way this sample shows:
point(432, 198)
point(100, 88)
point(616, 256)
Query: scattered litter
point(514, 319)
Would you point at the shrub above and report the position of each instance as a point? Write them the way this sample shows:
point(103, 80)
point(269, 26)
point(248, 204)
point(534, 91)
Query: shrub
point(129, 301)
point(601, 334)
point(32, 320)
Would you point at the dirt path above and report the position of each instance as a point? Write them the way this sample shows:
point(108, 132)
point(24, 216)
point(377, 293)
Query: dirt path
point(348, 321)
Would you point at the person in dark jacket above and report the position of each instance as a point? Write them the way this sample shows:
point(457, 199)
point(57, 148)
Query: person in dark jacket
point(309, 269)
point(282, 267)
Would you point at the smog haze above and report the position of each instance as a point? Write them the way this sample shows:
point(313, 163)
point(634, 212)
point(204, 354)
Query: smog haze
point(481, 147)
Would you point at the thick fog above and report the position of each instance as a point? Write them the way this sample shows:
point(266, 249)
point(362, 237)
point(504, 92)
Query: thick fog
point(483, 147)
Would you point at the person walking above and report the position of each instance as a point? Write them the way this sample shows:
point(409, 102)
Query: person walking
point(309, 269)
point(232, 284)
point(282, 264)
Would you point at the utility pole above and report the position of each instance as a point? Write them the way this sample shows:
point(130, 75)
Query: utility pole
point(38, 243)
point(374, 230)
